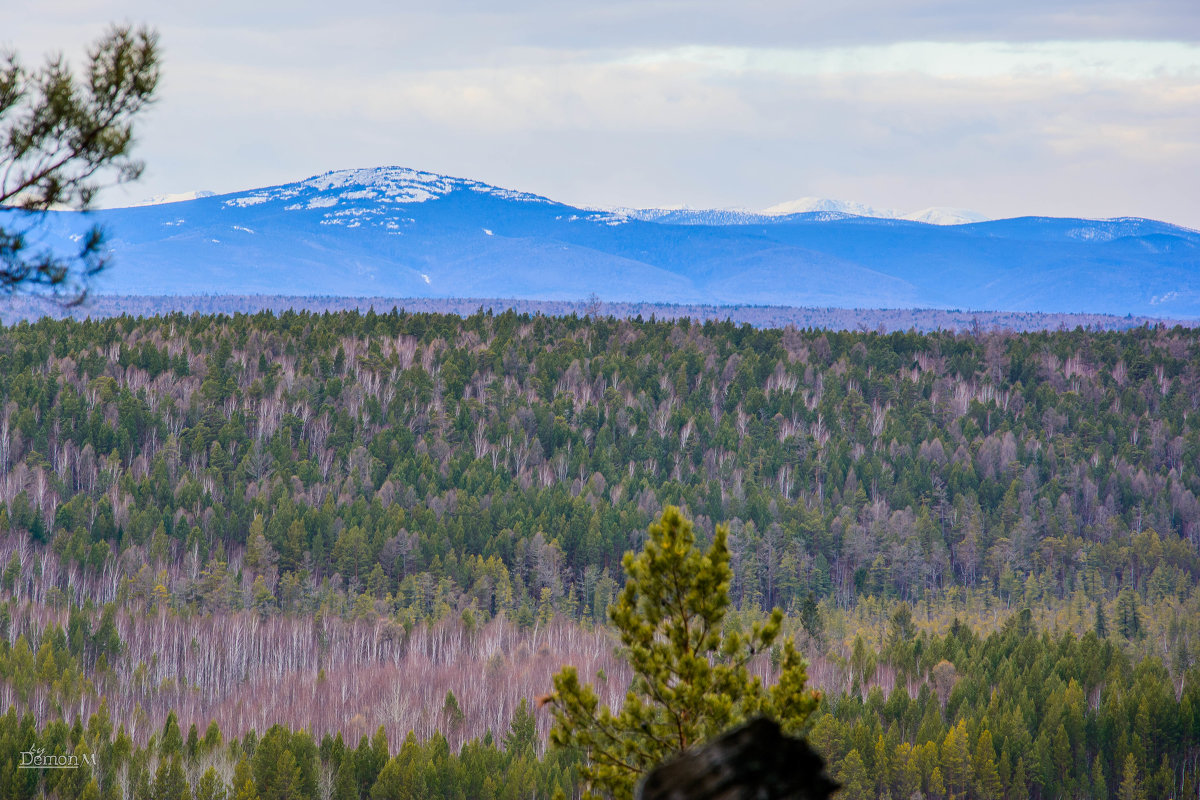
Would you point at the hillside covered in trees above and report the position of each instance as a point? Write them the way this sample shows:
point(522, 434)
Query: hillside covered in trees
point(339, 499)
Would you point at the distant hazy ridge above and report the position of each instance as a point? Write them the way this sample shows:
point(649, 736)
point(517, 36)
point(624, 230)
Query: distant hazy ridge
point(921, 319)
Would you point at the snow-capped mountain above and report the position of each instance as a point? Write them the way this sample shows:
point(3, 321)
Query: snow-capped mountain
point(937, 215)
point(400, 232)
point(384, 187)
point(808, 205)
point(940, 215)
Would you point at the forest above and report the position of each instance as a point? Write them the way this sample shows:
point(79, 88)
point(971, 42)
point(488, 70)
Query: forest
point(347, 551)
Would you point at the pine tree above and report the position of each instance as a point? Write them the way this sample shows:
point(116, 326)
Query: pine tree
point(212, 737)
point(172, 738)
point(452, 712)
point(169, 780)
point(908, 772)
point(856, 783)
point(956, 759)
point(345, 783)
point(1019, 790)
point(931, 726)
point(192, 746)
point(379, 757)
point(57, 134)
point(522, 735)
point(404, 776)
point(276, 773)
point(1131, 783)
point(987, 777)
point(1099, 785)
point(884, 766)
point(810, 619)
point(1129, 619)
point(1060, 754)
point(210, 786)
point(1162, 782)
point(691, 679)
point(937, 786)
point(243, 782)
point(391, 784)
point(1101, 621)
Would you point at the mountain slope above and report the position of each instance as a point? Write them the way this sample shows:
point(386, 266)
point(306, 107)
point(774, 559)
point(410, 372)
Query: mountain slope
point(399, 232)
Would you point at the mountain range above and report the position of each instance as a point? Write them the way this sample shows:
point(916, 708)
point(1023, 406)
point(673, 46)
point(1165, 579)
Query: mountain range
point(392, 231)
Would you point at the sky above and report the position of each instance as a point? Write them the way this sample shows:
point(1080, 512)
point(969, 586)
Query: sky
point(1048, 107)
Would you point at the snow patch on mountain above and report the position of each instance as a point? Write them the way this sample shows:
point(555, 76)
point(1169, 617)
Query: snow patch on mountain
point(177, 197)
point(935, 215)
point(942, 215)
point(1106, 230)
point(353, 198)
point(247, 200)
point(677, 216)
point(387, 185)
point(805, 205)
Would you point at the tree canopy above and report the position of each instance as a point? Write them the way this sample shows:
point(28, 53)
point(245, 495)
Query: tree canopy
point(448, 499)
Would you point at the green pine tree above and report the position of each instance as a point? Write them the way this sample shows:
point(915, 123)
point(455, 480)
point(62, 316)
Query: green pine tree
point(1099, 785)
point(522, 735)
point(987, 776)
point(691, 679)
point(956, 759)
point(1131, 782)
point(59, 134)
point(1162, 782)
point(345, 783)
point(810, 619)
point(1129, 618)
point(243, 782)
point(169, 781)
point(172, 738)
point(276, 773)
point(856, 782)
point(210, 786)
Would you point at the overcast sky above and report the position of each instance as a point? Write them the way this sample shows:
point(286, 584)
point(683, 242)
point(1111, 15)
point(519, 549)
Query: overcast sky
point(1088, 108)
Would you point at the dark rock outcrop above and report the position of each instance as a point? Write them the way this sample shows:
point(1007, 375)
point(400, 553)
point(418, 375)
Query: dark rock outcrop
point(754, 761)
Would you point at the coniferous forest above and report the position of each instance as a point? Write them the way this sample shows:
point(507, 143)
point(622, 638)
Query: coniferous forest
point(342, 555)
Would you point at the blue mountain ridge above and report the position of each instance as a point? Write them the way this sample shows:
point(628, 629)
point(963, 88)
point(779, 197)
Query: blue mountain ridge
point(398, 232)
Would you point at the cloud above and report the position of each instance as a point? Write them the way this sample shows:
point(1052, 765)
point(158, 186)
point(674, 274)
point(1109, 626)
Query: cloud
point(1085, 108)
point(468, 33)
point(1127, 60)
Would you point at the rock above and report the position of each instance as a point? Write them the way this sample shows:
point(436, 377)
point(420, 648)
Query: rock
point(754, 761)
